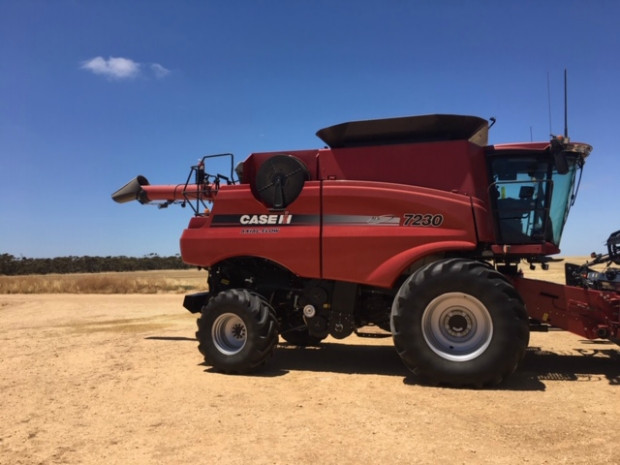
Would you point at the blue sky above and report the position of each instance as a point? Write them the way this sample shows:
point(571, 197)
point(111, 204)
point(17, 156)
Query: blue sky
point(93, 93)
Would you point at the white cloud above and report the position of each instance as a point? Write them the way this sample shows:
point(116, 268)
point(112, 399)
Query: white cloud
point(121, 68)
point(159, 70)
point(115, 68)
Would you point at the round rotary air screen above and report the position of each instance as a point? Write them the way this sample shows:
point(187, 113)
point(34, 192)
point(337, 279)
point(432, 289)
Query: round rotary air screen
point(280, 180)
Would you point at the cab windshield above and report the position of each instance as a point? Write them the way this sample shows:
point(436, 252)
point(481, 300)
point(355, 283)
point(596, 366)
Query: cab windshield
point(531, 198)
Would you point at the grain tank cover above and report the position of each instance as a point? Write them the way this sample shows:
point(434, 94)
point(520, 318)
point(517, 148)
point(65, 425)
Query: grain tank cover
point(406, 130)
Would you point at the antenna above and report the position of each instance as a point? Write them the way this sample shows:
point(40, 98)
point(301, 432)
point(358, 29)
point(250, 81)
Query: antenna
point(549, 103)
point(565, 107)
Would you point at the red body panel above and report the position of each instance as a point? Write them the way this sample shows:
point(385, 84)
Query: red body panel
point(357, 216)
point(586, 312)
point(352, 215)
point(445, 167)
point(369, 232)
point(453, 166)
point(222, 234)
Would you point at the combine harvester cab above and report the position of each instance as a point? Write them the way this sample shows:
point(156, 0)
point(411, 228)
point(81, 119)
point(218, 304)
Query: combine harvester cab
point(408, 227)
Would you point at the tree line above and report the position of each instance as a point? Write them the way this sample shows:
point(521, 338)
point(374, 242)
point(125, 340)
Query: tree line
point(10, 265)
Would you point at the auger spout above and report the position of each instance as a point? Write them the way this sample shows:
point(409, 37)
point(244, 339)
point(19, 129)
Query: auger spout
point(139, 189)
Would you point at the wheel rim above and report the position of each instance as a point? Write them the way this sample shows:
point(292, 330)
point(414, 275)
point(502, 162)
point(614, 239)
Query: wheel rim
point(457, 326)
point(229, 333)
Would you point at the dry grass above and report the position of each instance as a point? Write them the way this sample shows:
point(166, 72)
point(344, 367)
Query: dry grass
point(173, 281)
point(133, 282)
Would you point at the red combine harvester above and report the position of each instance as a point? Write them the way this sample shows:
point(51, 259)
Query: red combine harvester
point(413, 225)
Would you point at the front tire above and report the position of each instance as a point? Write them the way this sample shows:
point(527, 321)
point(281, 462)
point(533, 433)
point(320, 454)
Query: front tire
point(237, 331)
point(460, 323)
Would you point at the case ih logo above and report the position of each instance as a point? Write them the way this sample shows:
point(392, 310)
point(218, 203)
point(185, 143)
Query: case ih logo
point(266, 219)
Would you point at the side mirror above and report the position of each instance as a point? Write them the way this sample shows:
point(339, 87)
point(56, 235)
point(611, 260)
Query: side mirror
point(561, 163)
point(559, 156)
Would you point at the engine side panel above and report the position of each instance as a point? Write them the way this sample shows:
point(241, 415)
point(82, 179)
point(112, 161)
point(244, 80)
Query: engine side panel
point(373, 231)
point(239, 225)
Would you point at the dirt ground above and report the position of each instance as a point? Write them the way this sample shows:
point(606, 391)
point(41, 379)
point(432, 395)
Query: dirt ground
point(92, 379)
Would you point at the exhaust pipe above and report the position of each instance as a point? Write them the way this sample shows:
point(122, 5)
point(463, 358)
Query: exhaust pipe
point(132, 191)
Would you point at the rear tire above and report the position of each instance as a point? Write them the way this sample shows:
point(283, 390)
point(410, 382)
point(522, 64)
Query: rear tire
point(237, 331)
point(460, 323)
